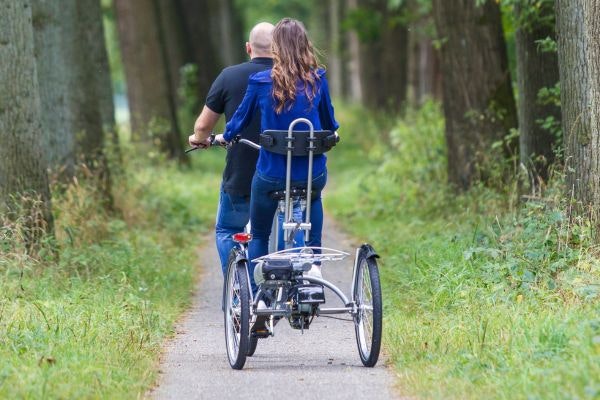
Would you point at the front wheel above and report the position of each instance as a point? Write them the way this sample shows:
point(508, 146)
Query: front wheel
point(368, 320)
point(237, 312)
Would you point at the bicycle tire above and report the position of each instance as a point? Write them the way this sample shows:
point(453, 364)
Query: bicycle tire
point(237, 312)
point(252, 346)
point(368, 322)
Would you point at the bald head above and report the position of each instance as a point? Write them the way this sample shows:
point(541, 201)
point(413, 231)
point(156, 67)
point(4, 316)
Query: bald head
point(260, 39)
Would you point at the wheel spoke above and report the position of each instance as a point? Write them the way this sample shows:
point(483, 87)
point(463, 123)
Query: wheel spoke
point(366, 308)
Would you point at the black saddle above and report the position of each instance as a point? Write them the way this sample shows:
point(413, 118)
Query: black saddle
point(295, 192)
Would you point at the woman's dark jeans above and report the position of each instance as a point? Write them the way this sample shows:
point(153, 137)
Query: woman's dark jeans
point(262, 211)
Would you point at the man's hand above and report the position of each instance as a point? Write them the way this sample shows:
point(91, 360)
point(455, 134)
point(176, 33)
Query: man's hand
point(195, 142)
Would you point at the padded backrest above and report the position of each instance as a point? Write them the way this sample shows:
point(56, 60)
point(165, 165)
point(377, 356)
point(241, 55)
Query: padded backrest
point(277, 142)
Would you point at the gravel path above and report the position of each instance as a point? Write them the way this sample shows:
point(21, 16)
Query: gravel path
point(322, 363)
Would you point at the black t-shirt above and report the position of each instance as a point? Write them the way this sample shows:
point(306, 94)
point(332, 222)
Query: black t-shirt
point(225, 95)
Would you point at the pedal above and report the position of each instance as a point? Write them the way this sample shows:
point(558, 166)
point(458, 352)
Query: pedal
point(259, 328)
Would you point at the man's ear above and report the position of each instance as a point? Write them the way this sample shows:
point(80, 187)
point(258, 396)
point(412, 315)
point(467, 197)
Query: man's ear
point(248, 49)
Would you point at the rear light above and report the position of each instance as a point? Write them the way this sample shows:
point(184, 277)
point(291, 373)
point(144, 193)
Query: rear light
point(242, 237)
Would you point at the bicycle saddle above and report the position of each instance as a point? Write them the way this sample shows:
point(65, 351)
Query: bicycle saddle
point(294, 192)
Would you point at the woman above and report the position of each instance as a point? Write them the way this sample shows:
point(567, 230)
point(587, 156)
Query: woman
point(295, 87)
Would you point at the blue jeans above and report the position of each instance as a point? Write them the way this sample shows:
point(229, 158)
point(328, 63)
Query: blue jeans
point(232, 216)
point(262, 210)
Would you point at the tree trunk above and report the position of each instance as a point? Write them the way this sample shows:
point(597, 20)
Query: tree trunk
point(592, 23)
point(355, 91)
point(334, 67)
point(175, 42)
point(59, 140)
point(230, 38)
point(89, 94)
point(22, 162)
point(536, 70)
point(424, 75)
point(384, 53)
point(479, 106)
point(148, 74)
point(202, 49)
point(578, 64)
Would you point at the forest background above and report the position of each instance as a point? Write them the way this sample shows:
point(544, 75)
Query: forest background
point(469, 158)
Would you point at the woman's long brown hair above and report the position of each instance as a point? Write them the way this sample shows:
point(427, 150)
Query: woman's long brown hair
point(294, 60)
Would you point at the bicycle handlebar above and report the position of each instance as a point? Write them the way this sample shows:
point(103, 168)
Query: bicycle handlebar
point(237, 139)
point(211, 142)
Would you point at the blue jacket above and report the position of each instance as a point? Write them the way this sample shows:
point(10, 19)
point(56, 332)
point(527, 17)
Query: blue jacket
point(259, 94)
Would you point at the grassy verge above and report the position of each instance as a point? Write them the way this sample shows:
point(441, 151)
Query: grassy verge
point(483, 298)
point(91, 324)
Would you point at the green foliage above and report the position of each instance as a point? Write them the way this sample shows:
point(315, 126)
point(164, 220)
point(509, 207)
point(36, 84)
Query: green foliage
point(91, 323)
point(547, 45)
point(482, 298)
point(531, 13)
point(187, 93)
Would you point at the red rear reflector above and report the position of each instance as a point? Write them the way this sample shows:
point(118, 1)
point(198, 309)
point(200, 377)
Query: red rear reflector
point(242, 237)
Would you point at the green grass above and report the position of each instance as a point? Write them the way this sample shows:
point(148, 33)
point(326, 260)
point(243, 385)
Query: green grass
point(483, 297)
point(91, 324)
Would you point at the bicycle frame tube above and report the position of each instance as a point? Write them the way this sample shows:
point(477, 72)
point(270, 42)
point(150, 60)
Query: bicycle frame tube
point(288, 175)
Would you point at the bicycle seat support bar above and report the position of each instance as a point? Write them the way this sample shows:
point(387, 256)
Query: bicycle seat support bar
point(288, 176)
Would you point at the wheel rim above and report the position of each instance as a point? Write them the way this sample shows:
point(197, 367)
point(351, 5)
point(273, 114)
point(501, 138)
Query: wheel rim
point(233, 310)
point(365, 310)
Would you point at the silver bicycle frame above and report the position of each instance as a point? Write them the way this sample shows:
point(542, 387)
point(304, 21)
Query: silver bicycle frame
point(288, 224)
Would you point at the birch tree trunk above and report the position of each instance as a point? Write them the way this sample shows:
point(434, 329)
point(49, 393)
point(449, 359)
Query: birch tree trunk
point(479, 106)
point(22, 162)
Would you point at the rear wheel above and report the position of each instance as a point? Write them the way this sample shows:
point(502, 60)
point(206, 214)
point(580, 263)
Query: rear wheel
point(237, 312)
point(368, 320)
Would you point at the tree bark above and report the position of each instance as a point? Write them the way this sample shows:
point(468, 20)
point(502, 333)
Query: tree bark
point(384, 54)
point(202, 48)
point(334, 67)
point(148, 74)
point(355, 89)
point(479, 106)
point(230, 37)
point(89, 95)
point(22, 162)
point(59, 144)
point(578, 52)
point(424, 74)
point(536, 70)
point(592, 24)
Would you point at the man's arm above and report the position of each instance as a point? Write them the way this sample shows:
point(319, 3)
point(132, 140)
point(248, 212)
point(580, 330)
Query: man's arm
point(203, 127)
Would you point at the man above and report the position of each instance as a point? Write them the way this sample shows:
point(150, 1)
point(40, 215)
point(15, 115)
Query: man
point(224, 96)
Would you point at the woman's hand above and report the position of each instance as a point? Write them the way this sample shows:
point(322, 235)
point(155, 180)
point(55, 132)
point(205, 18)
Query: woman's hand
point(221, 140)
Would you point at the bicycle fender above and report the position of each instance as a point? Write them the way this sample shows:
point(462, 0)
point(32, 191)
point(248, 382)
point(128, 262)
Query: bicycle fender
point(369, 251)
point(240, 256)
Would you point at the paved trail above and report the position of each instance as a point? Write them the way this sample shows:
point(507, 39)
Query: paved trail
point(322, 363)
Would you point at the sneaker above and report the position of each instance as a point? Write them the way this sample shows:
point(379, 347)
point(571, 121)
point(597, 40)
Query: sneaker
point(315, 271)
point(261, 305)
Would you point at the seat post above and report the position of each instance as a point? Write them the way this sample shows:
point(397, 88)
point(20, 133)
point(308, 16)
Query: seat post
point(288, 174)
